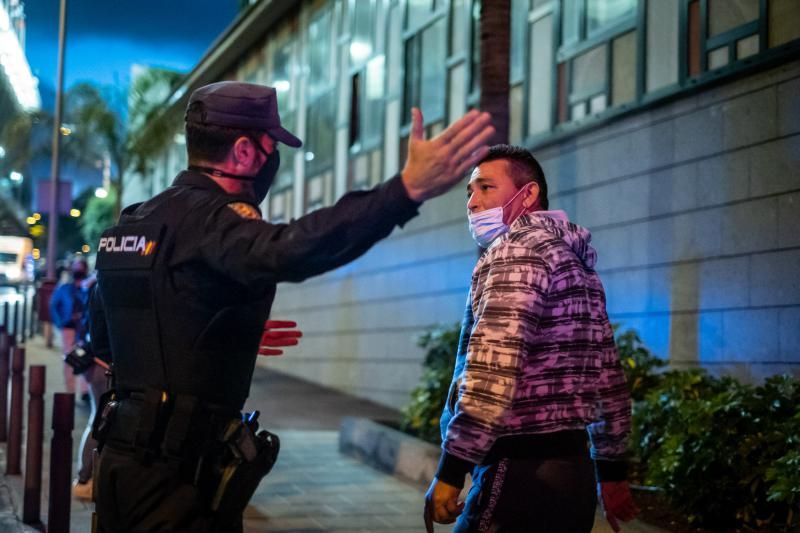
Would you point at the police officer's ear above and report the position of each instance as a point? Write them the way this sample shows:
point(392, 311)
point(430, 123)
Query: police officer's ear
point(243, 151)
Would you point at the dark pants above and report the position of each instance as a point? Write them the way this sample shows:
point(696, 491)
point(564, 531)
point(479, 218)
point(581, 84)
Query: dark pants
point(531, 496)
point(153, 498)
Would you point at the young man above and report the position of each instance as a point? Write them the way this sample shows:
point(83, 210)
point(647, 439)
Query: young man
point(186, 281)
point(536, 366)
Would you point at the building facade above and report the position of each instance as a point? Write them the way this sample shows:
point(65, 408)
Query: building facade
point(670, 128)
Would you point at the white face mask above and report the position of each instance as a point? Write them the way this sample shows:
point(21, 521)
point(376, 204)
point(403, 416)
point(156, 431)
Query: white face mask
point(488, 225)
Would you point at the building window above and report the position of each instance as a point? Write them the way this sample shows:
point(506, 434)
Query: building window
point(362, 41)
point(283, 71)
point(694, 37)
point(425, 72)
point(603, 61)
point(623, 83)
point(458, 26)
point(725, 15)
point(570, 21)
point(519, 18)
point(784, 22)
point(320, 52)
point(588, 82)
point(475, 47)
point(662, 43)
point(603, 13)
point(417, 13)
point(318, 190)
point(367, 104)
point(540, 75)
point(320, 133)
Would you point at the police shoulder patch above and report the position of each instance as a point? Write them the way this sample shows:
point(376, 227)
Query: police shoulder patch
point(245, 210)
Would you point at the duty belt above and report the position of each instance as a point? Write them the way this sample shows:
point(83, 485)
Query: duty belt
point(153, 424)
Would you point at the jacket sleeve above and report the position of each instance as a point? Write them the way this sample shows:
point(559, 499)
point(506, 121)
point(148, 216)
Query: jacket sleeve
point(57, 311)
point(609, 434)
point(252, 251)
point(509, 309)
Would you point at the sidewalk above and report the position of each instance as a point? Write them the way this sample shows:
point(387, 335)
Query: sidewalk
point(312, 487)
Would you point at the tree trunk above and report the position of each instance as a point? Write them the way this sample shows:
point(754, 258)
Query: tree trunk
point(495, 23)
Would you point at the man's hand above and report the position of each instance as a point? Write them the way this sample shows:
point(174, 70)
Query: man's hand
point(618, 504)
point(441, 504)
point(271, 339)
point(434, 166)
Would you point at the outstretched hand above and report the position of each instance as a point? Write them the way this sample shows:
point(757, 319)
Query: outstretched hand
point(434, 166)
point(275, 336)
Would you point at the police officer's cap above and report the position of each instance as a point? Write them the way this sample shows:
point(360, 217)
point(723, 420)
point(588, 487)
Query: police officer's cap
point(246, 106)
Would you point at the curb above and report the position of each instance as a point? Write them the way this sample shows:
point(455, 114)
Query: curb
point(11, 510)
point(389, 450)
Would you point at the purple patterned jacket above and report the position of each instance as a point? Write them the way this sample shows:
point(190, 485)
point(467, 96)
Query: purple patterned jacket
point(539, 355)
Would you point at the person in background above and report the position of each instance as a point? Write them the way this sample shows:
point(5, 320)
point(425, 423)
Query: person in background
point(69, 311)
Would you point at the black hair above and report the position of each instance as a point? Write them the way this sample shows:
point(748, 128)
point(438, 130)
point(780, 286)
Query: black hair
point(524, 168)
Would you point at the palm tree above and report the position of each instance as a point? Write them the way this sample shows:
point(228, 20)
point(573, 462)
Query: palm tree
point(146, 98)
point(98, 129)
point(495, 38)
point(102, 131)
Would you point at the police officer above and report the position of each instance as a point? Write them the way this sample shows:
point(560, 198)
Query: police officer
point(186, 281)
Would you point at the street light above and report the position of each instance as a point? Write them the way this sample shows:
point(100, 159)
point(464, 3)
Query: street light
point(74, 213)
point(15, 176)
point(100, 192)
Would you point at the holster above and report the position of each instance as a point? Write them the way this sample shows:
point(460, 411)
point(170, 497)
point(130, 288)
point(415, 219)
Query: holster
point(104, 418)
point(247, 456)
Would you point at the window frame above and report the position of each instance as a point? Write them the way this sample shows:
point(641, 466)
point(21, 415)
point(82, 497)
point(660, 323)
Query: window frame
point(686, 84)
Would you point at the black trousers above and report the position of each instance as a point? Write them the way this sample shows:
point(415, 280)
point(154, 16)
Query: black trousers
point(132, 497)
point(531, 496)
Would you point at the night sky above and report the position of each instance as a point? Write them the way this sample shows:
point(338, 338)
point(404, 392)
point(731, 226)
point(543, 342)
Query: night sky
point(105, 38)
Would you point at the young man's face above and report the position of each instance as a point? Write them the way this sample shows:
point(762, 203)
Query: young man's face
point(490, 185)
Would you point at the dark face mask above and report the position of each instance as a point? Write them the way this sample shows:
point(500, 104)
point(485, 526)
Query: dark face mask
point(263, 179)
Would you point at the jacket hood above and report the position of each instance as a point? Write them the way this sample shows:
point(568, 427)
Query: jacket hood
point(556, 224)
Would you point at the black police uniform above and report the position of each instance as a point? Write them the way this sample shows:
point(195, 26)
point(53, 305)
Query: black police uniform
point(186, 283)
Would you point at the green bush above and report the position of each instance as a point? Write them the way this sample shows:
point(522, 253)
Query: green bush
point(725, 453)
point(421, 415)
point(638, 363)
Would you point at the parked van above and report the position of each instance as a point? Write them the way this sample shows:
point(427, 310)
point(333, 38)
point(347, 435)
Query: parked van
point(14, 258)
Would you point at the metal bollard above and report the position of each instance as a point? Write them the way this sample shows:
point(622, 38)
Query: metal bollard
point(23, 328)
point(14, 327)
point(5, 349)
point(61, 463)
point(14, 444)
point(31, 506)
